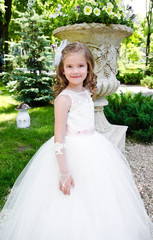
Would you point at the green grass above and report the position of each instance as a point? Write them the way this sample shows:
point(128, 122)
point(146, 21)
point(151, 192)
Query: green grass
point(17, 146)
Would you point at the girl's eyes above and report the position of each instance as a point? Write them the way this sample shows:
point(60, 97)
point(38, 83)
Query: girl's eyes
point(81, 65)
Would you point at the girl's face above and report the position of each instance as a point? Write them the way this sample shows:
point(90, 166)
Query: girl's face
point(75, 68)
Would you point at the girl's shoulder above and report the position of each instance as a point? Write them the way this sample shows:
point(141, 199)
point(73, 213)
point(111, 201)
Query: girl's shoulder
point(63, 97)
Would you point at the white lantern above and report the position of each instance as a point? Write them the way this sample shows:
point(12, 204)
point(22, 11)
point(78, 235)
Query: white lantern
point(23, 118)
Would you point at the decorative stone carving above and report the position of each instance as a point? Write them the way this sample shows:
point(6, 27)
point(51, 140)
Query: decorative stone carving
point(104, 42)
point(105, 68)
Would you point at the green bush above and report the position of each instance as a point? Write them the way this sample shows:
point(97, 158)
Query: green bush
point(147, 81)
point(135, 111)
point(130, 78)
point(29, 87)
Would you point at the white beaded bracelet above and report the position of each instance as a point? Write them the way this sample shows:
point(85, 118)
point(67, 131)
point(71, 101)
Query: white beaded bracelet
point(58, 147)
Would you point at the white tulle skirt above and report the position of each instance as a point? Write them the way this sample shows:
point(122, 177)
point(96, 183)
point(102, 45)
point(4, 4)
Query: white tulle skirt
point(103, 205)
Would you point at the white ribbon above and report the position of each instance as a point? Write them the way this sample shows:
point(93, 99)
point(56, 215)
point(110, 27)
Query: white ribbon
point(58, 54)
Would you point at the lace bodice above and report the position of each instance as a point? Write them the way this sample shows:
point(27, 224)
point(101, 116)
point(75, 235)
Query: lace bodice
point(81, 115)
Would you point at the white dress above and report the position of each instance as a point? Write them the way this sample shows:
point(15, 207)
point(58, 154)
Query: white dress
point(103, 205)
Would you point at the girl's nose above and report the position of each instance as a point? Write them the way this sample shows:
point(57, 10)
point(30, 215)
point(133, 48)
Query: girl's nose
point(76, 70)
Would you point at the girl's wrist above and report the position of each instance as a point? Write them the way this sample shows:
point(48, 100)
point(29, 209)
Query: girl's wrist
point(64, 174)
point(64, 178)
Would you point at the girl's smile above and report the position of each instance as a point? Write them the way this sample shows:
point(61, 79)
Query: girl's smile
point(75, 69)
point(75, 76)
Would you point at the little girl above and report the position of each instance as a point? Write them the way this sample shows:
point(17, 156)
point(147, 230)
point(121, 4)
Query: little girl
point(78, 186)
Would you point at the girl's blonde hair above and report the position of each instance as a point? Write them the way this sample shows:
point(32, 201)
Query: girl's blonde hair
point(60, 81)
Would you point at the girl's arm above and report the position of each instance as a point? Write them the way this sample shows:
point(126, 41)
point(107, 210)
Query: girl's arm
point(62, 107)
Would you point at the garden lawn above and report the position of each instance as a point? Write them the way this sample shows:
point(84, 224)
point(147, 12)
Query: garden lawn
point(17, 146)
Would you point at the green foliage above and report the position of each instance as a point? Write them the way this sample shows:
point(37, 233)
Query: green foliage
point(147, 81)
point(79, 11)
point(130, 78)
point(34, 53)
point(11, 62)
point(29, 87)
point(34, 50)
point(42, 7)
point(17, 6)
point(2, 9)
point(132, 47)
point(20, 6)
point(135, 111)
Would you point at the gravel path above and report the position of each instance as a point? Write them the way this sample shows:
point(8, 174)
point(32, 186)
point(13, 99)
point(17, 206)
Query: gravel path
point(135, 89)
point(140, 158)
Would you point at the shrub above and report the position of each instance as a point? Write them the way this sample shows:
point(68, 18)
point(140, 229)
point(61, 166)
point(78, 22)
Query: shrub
point(134, 111)
point(130, 78)
point(147, 81)
point(29, 87)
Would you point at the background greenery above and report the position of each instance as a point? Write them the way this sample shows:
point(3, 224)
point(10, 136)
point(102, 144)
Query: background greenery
point(134, 111)
point(29, 87)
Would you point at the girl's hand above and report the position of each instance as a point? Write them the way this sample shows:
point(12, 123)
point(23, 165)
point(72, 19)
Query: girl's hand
point(66, 188)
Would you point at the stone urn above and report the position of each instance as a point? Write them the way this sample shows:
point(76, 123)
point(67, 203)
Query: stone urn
point(104, 42)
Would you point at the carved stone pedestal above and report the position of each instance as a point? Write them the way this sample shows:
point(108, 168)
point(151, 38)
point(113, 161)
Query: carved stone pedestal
point(104, 42)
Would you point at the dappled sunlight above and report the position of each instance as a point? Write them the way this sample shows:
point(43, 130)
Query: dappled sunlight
point(41, 109)
point(6, 101)
point(44, 130)
point(8, 117)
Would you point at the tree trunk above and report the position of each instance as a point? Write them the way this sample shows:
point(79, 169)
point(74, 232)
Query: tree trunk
point(1, 34)
point(4, 26)
point(8, 14)
point(149, 19)
point(148, 47)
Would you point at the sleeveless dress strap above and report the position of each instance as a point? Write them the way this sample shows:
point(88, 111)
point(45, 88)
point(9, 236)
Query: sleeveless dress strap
point(64, 92)
point(74, 95)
